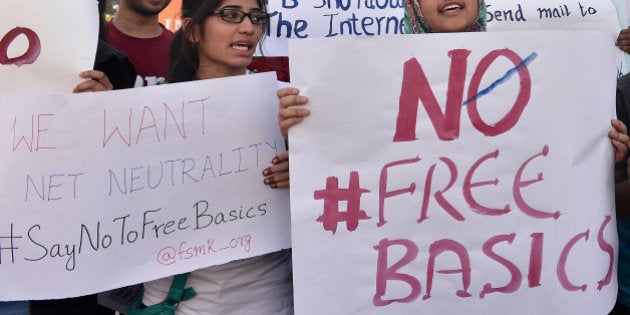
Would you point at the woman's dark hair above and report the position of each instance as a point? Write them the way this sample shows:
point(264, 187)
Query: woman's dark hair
point(184, 57)
point(102, 31)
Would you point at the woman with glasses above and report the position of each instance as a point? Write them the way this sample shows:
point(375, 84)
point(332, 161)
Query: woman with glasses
point(218, 39)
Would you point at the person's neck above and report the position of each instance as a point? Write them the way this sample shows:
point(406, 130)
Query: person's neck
point(137, 25)
point(213, 73)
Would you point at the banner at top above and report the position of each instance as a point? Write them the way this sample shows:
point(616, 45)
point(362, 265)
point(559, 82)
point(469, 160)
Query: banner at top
point(297, 19)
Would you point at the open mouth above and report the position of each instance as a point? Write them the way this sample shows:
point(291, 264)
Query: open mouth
point(241, 46)
point(451, 8)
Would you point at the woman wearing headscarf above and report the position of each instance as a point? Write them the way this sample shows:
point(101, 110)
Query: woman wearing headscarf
point(434, 16)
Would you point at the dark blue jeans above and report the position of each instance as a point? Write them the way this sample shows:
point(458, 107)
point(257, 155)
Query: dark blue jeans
point(620, 309)
point(14, 308)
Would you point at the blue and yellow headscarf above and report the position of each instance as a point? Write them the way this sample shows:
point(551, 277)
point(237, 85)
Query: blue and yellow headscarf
point(415, 23)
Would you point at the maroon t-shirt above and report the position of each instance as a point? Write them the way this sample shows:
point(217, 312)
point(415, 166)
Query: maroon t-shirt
point(148, 55)
point(278, 64)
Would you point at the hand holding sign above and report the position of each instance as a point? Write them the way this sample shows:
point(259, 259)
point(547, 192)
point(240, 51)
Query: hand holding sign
point(97, 81)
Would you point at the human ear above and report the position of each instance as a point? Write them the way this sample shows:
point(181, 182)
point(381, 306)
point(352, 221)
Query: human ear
point(193, 35)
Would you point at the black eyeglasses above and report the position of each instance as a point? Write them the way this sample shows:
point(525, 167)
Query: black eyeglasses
point(237, 16)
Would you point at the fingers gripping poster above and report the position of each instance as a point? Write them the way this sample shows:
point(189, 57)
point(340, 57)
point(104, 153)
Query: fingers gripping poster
point(107, 189)
point(464, 173)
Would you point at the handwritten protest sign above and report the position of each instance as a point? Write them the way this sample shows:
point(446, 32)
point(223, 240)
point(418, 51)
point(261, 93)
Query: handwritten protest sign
point(457, 173)
point(107, 189)
point(292, 19)
point(593, 15)
point(45, 44)
point(295, 19)
point(553, 14)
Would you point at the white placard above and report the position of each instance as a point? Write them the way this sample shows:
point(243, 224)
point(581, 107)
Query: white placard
point(466, 173)
point(107, 189)
point(45, 44)
point(298, 19)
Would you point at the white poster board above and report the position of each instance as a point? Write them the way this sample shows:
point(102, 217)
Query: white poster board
point(107, 189)
point(298, 19)
point(583, 15)
point(466, 173)
point(45, 44)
